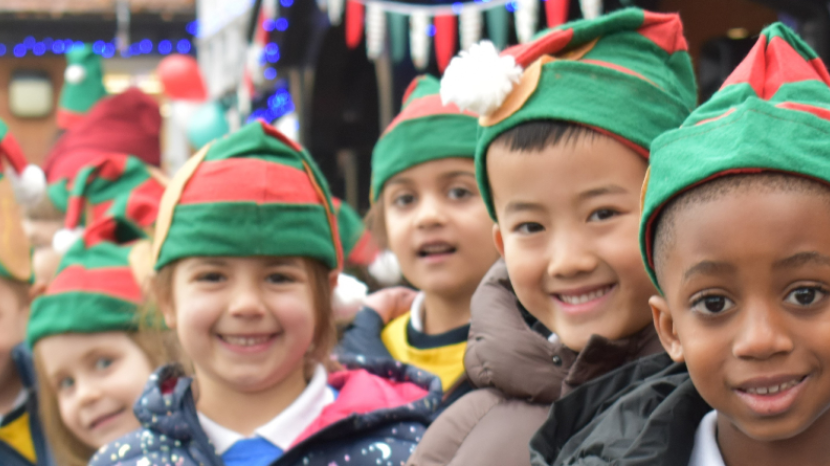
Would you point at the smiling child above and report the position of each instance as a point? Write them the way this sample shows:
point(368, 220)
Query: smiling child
point(734, 231)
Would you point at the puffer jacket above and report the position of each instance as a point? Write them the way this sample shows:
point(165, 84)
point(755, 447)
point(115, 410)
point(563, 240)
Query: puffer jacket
point(22, 359)
point(519, 372)
point(645, 413)
point(381, 413)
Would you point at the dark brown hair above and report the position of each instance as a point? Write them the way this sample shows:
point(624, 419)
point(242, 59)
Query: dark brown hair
point(375, 221)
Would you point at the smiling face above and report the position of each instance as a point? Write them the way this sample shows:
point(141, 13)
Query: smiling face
point(246, 322)
point(747, 283)
point(438, 227)
point(97, 377)
point(568, 219)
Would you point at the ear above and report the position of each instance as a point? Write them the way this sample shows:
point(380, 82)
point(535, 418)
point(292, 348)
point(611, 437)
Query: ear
point(664, 323)
point(333, 279)
point(168, 311)
point(497, 238)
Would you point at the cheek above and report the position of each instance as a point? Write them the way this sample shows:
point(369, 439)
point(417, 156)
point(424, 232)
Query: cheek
point(526, 268)
point(397, 231)
point(196, 313)
point(295, 315)
point(69, 412)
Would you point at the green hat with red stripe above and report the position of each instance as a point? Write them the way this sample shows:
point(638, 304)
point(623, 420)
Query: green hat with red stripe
point(253, 193)
point(771, 114)
point(425, 130)
point(83, 85)
point(358, 246)
point(97, 287)
point(115, 185)
point(28, 180)
point(627, 75)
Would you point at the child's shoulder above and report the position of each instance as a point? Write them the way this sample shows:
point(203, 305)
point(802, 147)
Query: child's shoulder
point(145, 447)
point(654, 399)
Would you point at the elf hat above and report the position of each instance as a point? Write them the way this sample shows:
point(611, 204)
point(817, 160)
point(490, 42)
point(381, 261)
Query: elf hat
point(252, 193)
point(83, 85)
point(116, 185)
point(358, 246)
point(27, 180)
point(626, 74)
point(425, 130)
point(15, 250)
point(98, 285)
point(771, 114)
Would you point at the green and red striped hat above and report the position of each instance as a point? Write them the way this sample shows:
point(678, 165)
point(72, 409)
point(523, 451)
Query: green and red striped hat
point(98, 285)
point(626, 74)
point(28, 181)
point(771, 114)
point(253, 193)
point(425, 130)
point(358, 246)
point(83, 85)
point(116, 185)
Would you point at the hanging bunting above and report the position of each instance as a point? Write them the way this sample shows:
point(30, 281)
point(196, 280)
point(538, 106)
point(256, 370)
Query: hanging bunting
point(335, 11)
point(419, 39)
point(470, 24)
point(375, 30)
point(446, 39)
point(397, 36)
point(590, 8)
point(354, 23)
point(527, 17)
point(497, 24)
point(557, 12)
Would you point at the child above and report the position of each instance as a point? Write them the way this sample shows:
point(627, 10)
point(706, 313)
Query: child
point(91, 360)
point(246, 253)
point(560, 164)
point(734, 231)
point(427, 210)
point(22, 442)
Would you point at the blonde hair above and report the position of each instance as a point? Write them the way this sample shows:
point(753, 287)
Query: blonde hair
point(159, 347)
point(325, 332)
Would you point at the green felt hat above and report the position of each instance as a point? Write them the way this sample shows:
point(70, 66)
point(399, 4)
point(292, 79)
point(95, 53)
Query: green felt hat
point(97, 287)
point(83, 85)
point(253, 193)
point(425, 130)
point(771, 114)
point(626, 74)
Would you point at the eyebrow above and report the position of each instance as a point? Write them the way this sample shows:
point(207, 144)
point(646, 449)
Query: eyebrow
point(709, 268)
point(516, 207)
point(457, 173)
point(602, 190)
point(801, 259)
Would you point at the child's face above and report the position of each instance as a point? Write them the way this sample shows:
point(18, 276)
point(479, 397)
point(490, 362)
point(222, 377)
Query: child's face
point(747, 307)
point(437, 226)
point(14, 312)
point(97, 378)
point(246, 322)
point(568, 221)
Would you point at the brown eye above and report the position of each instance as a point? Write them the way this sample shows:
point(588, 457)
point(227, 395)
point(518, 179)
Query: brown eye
point(713, 304)
point(805, 296)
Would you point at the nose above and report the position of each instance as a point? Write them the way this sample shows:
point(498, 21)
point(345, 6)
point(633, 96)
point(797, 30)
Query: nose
point(763, 333)
point(246, 301)
point(88, 391)
point(570, 255)
point(429, 212)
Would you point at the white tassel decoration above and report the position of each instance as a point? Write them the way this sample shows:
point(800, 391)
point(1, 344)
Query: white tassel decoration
point(527, 17)
point(335, 11)
point(590, 8)
point(65, 238)
point(479, 79)
point(470, 21)
point(348, 297)
point(419, 40)
point(74, 74)
point(28, 186)
point(386, 269)
point(375, 30)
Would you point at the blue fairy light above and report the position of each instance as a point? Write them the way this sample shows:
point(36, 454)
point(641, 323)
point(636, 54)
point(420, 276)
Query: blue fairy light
point(98, 47)
point(511, 7)
point(146, 46)
point(269, 73)
point(29, 42)
point(165, 47)
point(431, 30)
point(183, 46)
point(192, 28)
point(39, 49)
point(281, 24)
point(109, 50)
point(2, 49)
point(19, 50)
point(269, 24)
point(58, 47)
point(286, 3)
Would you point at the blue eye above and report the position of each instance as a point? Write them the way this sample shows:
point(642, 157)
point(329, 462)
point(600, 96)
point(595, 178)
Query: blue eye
point(805, 296)
point(66, 383)
point(712, 304)
point(103, 363)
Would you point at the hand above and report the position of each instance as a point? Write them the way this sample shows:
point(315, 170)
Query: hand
point(391, 303)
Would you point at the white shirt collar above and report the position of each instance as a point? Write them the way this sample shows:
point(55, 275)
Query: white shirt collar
point(706, 451)
point(287, 425)
point(416, 312)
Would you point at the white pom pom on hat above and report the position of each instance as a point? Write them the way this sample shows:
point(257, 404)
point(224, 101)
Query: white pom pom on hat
point(386, 269)
point(480, 79)
point(65, 238)
point(348, 296)
point(28, 186)
point(74, 74)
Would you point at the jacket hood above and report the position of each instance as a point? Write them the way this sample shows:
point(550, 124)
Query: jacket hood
point(508, 349)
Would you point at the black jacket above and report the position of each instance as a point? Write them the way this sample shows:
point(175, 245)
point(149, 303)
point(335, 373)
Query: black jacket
point(645, 413)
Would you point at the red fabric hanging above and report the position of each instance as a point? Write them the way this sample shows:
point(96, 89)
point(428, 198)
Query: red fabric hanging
point(557, 12)
point(354, 23)
point(446, 39)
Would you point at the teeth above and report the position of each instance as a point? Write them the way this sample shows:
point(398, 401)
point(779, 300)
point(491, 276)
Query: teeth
point(773, 389)
point(584, 298)
point(245, 341)
point(436, 249)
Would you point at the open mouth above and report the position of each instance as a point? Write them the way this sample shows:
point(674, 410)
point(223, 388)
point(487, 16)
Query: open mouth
point(772, 389)
point(771, 397)
point(436, 250)
point(575, 299)
point(106, 418)
point(247, 341)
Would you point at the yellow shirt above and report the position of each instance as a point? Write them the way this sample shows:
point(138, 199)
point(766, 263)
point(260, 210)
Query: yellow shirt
point(445, 361)
point(15, 432)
